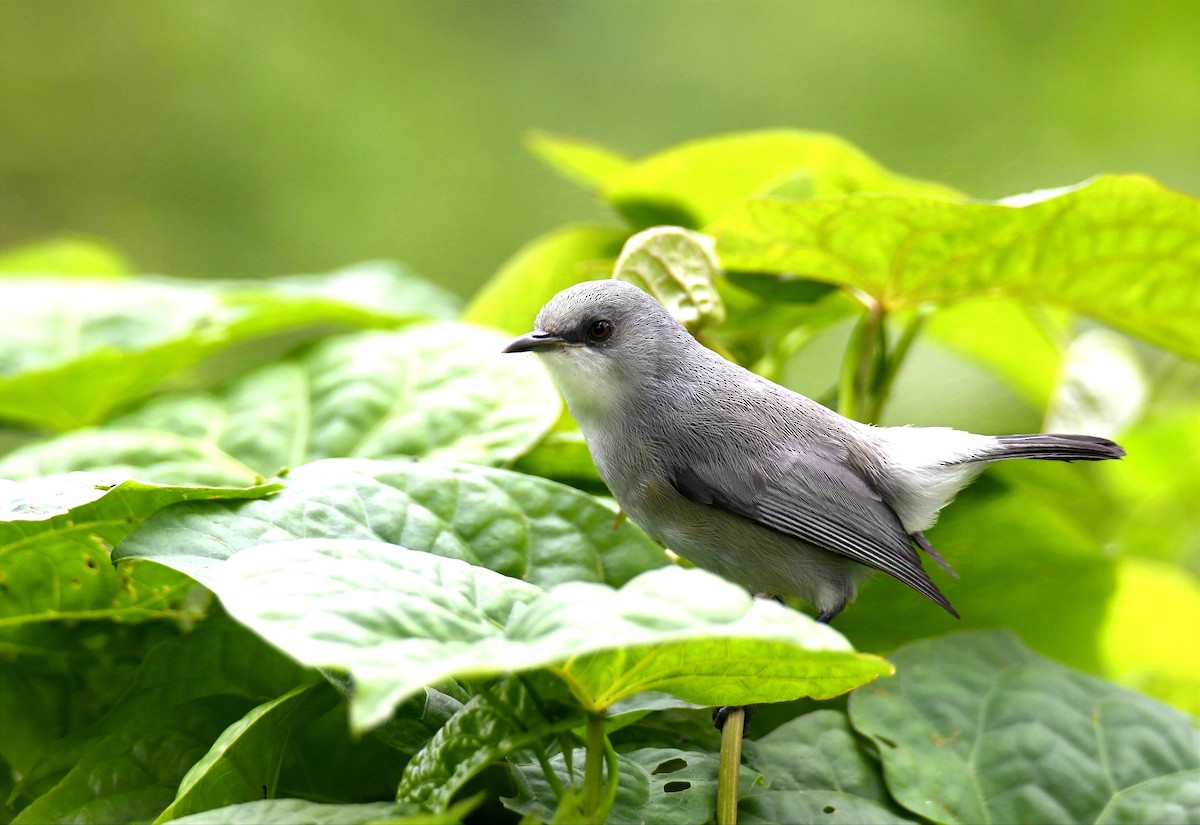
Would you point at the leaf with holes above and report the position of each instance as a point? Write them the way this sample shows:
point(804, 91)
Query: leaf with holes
point(1007, 736)
point(56, 534)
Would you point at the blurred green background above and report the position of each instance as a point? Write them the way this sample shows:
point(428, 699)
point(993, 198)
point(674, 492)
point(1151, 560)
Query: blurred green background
point(230, 138)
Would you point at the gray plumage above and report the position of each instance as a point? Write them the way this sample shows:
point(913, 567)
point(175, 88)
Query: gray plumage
point(749, 479)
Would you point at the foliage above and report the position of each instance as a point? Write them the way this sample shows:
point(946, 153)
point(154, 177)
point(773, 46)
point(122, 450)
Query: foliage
point(312, 549)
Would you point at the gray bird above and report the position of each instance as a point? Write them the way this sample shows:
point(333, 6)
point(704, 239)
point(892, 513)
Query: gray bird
point(746, 478)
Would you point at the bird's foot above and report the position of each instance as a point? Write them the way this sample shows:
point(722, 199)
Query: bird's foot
point(721, 715)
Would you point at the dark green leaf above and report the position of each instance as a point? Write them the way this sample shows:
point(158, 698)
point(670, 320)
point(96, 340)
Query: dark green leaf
point(825, 806)
point(498, 721)
point(247, 756)
point(976, 728)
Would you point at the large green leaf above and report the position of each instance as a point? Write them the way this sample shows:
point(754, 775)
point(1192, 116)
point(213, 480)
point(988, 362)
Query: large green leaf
point(691, 184)
point(304, 812)
point(824, 806)
point(540, 270)
point(439, 390)
point(817, 751)
point(976, 728)
point(243, 764)
point(56, 534)
point(397, 620)
point(74, 349)
point(188, 690)
point(518, 525)
point(1122, 249)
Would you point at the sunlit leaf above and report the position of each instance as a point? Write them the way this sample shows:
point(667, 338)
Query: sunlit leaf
point(518, 525)
point(679, 268)
point(693, 183)
point(541, 269)
point(1122, 249)
point(576, 160)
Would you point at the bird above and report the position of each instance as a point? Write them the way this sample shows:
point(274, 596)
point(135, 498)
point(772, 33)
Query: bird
point(746, 478)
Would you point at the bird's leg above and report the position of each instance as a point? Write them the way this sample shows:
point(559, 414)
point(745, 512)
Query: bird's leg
point(826, 616)
point(719, 715)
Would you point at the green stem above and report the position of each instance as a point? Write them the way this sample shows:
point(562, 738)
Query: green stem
point(593, 768)
point(731, 767)
point(860, 367)
point(890, 365)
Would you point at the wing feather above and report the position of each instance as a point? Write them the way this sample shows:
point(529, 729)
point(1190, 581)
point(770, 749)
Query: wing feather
point(817, 497)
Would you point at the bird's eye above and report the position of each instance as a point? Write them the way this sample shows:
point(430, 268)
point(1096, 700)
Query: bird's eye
point(600, 329)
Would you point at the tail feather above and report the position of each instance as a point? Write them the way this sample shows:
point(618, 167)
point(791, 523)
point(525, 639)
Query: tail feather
point(1054, 447)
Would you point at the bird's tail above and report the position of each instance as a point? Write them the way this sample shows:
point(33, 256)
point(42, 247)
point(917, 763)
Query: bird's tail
point(1053, 447)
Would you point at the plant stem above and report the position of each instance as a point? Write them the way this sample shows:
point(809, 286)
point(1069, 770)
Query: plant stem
point(593, 769)
point(731, 767)
point(890, 365)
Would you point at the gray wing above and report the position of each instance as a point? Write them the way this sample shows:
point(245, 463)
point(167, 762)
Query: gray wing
point(814, 496)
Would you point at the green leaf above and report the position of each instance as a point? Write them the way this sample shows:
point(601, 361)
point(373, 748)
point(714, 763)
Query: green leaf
point(1172, 798)
point(246, 758)
point(976, 728)
point(74, 349)
point(579, 161)
point(498, 721)
point(693, 183)
point(440, 390)
point(189, 688)
point(67, 255)
point(679, 268)
point(129, 776)
point(160, 456)
point(303, 812)
point(518, 525)
point(665, 785)
point(824, 806)
point(563, 455)
point(1122, 249)
point(817, 751)
point(540, 270)
point(397, 620)
point(56, 534)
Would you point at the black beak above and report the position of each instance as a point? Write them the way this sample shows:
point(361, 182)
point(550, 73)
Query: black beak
point(534, 341)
